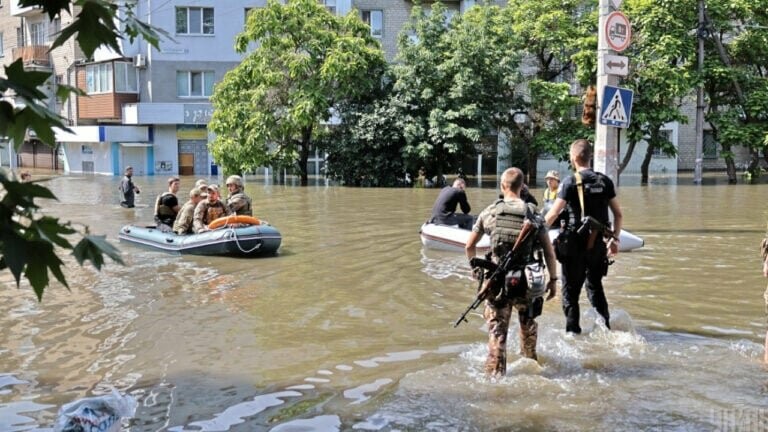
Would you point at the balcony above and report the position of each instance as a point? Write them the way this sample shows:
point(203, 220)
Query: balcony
point(27, 11)
point(33, 55)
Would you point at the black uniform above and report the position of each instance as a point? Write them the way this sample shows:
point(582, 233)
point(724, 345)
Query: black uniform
point(591, 265)
point(444, 210)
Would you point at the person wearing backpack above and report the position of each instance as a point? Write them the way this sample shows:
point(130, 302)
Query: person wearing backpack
point(503, 221)
point(585, 259)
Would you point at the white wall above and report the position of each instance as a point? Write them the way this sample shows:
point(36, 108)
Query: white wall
point(229, 20)
point(100, 156)
point(166, 148)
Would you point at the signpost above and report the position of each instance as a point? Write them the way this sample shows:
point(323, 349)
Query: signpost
point(616, 107)
point(615, 34)
point(618, 32)
point(616, 65)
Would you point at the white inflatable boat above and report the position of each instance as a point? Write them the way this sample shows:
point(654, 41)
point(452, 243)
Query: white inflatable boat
point(453, 238)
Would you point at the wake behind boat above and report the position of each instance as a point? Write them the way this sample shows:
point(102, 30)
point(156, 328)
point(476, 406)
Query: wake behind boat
point(453, 238)
point(249, 241)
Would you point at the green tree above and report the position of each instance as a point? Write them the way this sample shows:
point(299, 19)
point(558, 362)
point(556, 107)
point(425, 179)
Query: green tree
point(663, 56)
point(301, 62)
point(552, 35)
point(28, 239)
point(365, 149)
point(455, 83)
point(736, 77)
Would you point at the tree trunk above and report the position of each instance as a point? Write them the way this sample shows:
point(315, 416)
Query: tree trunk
point(646, 163)
point(306, 140)
point(730, 165)
point(627, 157)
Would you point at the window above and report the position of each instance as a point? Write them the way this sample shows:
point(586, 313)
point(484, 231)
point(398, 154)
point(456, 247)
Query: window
point(194, 83)
point(53, 29)
point(37, 34)
point(329, 4)
point(710, 145)
point(98, 78)
point(194, 20)
point(20, 37)
point(375, 20)
point(126, 80)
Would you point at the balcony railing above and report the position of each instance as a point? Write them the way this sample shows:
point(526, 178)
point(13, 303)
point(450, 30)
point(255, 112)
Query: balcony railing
point(32, 55)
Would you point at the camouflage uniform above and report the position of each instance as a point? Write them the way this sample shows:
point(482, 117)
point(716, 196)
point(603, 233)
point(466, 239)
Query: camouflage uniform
point(185, 218)
point(206, 212)
point(240, 204)
point(497, 313)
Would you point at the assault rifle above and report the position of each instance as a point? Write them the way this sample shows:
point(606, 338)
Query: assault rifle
point(595, 227)
point(494, 279)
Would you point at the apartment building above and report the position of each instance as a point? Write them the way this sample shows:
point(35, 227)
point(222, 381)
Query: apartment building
point(149, 107)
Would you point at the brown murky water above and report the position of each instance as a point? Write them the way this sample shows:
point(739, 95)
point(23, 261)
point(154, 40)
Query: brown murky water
point(349, 328)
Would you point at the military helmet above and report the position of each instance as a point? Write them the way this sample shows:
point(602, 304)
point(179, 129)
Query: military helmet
point(236, 180)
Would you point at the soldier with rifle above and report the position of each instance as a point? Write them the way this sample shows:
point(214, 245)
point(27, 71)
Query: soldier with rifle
point(585, 197)
point(514, 278)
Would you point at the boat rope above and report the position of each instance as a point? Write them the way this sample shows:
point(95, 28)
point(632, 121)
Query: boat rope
point(237, 242)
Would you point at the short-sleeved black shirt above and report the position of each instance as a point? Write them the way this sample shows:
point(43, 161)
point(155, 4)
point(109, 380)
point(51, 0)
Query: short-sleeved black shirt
point(169, 200)
point(598, 191)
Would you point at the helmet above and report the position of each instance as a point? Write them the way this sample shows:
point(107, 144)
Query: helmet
point(234, 179)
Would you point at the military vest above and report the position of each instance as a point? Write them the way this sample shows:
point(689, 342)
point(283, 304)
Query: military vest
point(162, 210)
point(509, 216)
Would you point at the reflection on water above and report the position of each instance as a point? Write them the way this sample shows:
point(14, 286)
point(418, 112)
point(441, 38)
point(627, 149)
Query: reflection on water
point(349, 328)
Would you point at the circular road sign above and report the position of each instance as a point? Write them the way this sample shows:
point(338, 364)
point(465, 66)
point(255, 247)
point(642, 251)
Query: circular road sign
point(618, 31)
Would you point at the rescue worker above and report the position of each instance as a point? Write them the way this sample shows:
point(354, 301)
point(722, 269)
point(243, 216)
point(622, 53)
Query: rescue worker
point(444, 210)
point(585, 193)
point(550, 193)
point(238, 202)
point(209, 210)
point(128, 189)
point(167, 206)
point(184, 220)
point(503, 221)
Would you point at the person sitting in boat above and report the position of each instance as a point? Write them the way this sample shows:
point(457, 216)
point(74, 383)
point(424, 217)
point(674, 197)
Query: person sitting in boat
point(444, 210)
point(209, 210)
point(167, 206)
point(238, 202)
point(184, 220)
point(550, 193)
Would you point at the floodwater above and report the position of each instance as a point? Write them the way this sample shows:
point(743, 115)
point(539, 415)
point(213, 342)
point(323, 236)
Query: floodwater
point(350, 326)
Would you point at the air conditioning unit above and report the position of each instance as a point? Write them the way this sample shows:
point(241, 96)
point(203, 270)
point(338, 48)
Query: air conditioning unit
point(140, 61)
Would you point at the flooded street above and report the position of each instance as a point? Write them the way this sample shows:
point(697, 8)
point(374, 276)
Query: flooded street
point(350, 326)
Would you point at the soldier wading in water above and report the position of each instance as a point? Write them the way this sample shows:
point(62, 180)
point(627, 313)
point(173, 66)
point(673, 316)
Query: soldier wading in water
point(503, 221)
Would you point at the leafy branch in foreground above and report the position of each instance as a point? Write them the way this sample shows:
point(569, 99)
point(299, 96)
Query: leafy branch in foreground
point(28, 239)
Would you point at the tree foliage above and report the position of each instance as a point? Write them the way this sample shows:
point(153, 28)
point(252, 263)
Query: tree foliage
point(736, 77)
point(301, 62)
point(552, 36)
point(663, 55)
point(455, 82)
point(28, 239)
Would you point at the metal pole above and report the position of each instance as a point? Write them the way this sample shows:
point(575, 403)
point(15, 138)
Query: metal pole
point(697, 170)
point(605, 141)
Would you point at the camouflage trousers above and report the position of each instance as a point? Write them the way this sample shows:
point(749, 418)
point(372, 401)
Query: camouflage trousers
point(497, 316)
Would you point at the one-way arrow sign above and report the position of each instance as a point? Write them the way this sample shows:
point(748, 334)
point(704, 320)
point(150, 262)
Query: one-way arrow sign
point(616, 65)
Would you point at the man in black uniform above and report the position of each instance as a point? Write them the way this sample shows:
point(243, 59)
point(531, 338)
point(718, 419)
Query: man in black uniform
point(167, 206)
point(444, 210)
point(585, 193)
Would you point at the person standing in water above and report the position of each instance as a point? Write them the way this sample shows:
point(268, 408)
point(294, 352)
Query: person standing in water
point(128, 189)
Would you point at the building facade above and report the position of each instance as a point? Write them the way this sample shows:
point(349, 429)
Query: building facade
point(149, 107)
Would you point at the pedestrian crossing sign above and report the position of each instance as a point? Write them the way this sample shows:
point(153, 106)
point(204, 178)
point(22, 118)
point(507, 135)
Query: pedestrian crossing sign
point(617, 106)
